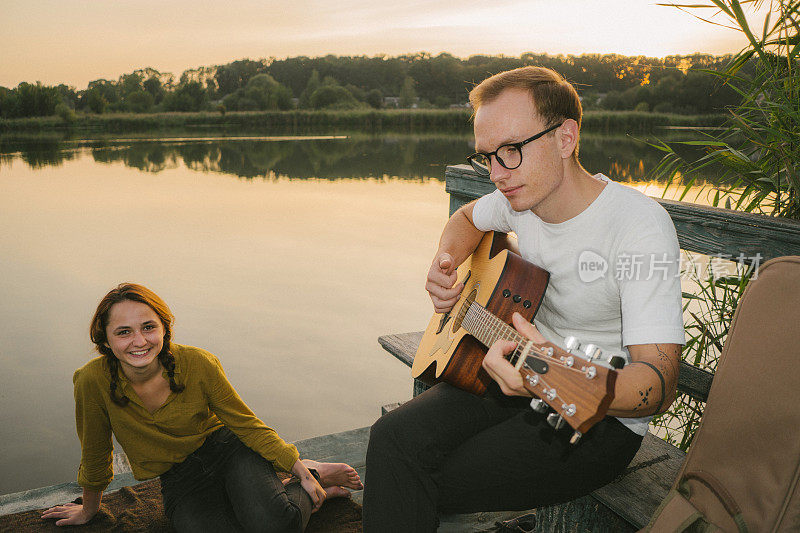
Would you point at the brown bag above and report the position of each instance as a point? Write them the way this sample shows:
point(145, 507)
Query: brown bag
point(741, 472)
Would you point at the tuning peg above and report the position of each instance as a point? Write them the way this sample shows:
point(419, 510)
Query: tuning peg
point(540, 406)
point(572, 343)
point(616, 362)
point(555, 420)
point(575, 437)
point(592, 351)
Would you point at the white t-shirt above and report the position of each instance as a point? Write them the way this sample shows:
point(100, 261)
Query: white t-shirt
point(614, 271)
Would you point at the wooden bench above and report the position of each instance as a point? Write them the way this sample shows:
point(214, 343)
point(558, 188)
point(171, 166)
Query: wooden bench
point(628, 503)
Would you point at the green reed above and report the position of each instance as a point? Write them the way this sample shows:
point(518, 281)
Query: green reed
point(755, 157)
point(330, 121)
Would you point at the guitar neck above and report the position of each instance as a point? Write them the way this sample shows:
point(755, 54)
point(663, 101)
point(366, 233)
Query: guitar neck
point(488, 329)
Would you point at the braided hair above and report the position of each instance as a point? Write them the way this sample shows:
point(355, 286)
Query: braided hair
point(97, 332)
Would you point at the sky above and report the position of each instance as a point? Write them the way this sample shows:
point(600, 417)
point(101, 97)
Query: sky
point(77, 41)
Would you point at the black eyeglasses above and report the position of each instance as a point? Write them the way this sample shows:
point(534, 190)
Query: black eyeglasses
point(508, 155)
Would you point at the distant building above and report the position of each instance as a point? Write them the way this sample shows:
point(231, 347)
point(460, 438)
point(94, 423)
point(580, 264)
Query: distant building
point(394, 102)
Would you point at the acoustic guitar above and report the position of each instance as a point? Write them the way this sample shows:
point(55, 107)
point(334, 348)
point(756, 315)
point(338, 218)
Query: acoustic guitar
point(498, 282)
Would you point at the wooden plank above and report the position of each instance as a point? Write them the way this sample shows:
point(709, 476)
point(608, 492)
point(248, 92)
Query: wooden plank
point(694, 381)
point(691, 380)
point(701, 229)
point(345, 447)
point(637, 493)
point(728, 233)
point(402, 346)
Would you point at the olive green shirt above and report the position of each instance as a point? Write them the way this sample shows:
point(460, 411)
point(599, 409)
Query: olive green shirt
point(154, 442)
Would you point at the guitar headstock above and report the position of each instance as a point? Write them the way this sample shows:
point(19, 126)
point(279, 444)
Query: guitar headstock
point(575, 384)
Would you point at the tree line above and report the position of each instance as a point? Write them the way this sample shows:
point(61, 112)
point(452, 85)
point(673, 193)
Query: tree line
point(674, 84)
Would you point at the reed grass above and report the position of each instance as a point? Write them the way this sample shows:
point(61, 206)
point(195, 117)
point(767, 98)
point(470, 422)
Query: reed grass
point(755, 155)
point(307, 121)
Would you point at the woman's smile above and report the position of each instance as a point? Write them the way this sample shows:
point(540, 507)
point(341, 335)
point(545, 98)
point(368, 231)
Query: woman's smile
point(135, 334)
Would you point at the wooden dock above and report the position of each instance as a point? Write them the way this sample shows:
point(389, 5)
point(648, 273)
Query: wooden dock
point(345, 447)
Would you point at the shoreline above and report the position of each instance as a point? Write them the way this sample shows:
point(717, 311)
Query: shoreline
point(302, 121)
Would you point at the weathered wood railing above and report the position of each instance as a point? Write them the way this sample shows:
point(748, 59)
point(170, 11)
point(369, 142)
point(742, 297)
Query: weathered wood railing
point(628, 502)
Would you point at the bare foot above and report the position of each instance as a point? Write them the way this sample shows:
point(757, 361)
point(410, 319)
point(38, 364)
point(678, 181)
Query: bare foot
point(336, 492)
point(335, 475)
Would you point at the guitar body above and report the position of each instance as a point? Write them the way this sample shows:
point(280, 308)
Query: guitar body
point(499, 280)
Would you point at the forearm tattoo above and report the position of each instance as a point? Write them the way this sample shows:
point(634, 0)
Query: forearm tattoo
point(645, 394)
point(645, 398)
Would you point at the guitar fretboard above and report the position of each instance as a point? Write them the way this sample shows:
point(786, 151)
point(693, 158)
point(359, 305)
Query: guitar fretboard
point(488, 329)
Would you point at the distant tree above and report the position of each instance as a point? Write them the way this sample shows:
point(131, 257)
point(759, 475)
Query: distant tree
point(65, 113)
point(189, 97)
point(234, 76)
point(107, 88)
point(408, 95)
point(665, 93)
point(211, 88)
point(154, 88)
point(68, 95)
point(8, 103)
point(262, 92)
point(311, 86)
point(330, 80)
point(333, 96)
point(129, 83)
point(36, 100)
point(440, 76)
point(95, 101)
point(610, 81)
point(375, 98)
point(139, 101)
point(357, 92)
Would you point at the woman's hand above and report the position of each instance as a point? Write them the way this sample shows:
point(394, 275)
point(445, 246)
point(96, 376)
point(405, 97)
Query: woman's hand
point(309, 484)
point(315, 490)
point(70, 514)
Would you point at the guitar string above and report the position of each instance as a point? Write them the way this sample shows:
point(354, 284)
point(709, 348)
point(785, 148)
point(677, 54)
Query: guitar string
point(488, 329)
point(477, 323)
point(488, 323)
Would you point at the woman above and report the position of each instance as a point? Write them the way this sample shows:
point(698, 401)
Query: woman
point(176, 416)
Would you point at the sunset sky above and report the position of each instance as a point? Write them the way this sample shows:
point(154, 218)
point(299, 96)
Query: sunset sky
point(76, 41)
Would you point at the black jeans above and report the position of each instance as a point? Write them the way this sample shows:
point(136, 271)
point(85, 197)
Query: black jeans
point(447, 450)
point(225, 486)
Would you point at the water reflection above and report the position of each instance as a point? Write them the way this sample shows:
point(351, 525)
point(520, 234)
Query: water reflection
point(327, 158)
point(295, 158)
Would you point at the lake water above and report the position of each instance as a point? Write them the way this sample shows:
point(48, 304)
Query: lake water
point(286, 257)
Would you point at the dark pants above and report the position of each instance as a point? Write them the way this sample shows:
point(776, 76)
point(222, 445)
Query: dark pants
point(225, 486)
point(447, 450)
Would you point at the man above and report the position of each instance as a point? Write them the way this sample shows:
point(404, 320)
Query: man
point(447, 450)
